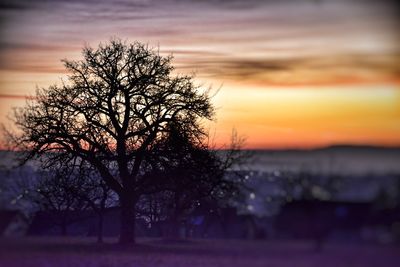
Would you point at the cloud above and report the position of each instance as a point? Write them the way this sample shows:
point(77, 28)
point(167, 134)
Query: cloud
point(333, 69)
point(15, 97)
point(289, 41)
point(32, 57)
point(12, 47)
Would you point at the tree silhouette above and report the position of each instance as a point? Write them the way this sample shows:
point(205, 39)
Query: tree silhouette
point(190, 172)
point(118, 101)
point(58, 193)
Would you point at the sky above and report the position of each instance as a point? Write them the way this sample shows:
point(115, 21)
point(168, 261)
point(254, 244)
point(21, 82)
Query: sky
point(285, 74)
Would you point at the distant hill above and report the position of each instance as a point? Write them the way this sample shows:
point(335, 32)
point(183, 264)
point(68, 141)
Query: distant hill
point(356, 164)
point(338, 159)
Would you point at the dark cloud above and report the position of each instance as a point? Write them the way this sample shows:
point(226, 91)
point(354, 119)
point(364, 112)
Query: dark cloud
point(242, 43)
point(13, 5)
point(243, 69)
point(21, 66)
point(14, 96)
point(234, 4)
point(18, 47)
point(180, 52)
point(31, 4)
point(339, 68)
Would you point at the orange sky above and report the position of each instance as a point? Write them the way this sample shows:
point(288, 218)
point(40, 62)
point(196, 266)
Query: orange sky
point(292, 74)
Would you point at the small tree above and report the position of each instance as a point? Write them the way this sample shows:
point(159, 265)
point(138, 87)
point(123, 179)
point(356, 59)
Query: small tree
point(189, 172)
point(58, 192)
point(311, 188)
point(118, 101)
point(98, 196)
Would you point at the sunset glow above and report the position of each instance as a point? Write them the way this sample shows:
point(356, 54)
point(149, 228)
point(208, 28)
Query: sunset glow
point(288, 74)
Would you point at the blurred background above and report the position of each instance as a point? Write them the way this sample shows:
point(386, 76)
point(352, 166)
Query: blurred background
point(312, 86)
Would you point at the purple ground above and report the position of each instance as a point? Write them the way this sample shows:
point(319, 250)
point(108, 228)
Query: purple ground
point(36, 252)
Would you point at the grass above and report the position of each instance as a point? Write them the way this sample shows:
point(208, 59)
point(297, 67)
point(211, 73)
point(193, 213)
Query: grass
point(62, 252)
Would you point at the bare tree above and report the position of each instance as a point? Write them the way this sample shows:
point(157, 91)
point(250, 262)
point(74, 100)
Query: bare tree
point(58, 192)
point(95, 192)
point(117, 102)
point(189, 172)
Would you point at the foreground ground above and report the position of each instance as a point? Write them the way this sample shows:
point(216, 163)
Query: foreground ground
point(36, 252)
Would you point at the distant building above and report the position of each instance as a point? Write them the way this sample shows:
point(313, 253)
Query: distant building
point(78, 223)
point(358, 221)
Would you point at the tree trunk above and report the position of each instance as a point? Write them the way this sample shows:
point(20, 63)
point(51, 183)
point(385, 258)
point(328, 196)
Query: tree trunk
point(64, 224)
point(127, 219)
point(100, 228)
point(174, 228)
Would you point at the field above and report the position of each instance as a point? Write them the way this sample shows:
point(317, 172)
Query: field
point(35, 252)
